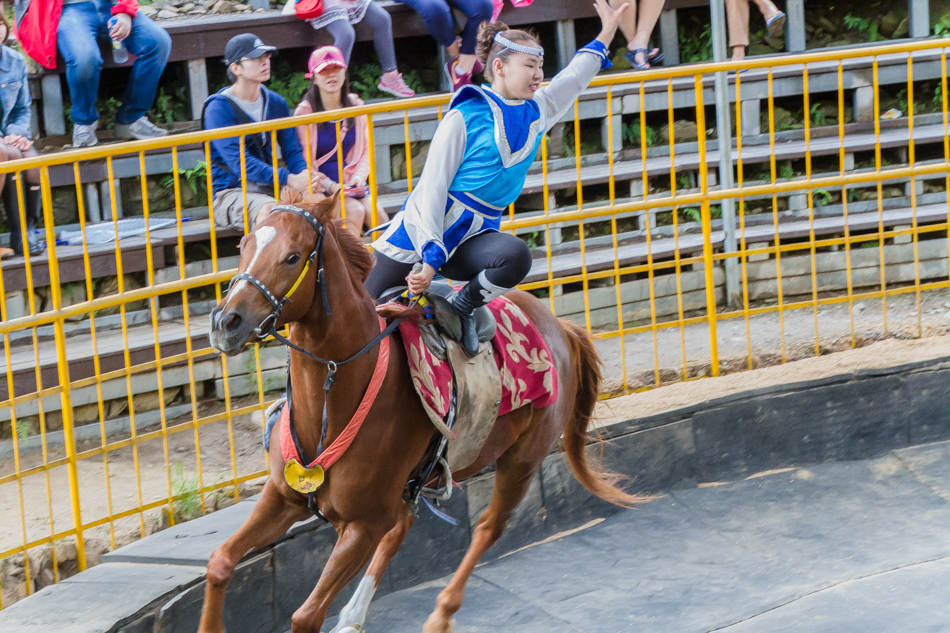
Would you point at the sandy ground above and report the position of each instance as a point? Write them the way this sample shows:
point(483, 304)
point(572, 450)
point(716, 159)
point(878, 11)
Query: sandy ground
point(158, 467)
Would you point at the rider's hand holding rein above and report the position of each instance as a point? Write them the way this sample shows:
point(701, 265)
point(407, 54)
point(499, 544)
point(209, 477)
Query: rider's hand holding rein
point(420, 281)
point(609, 20)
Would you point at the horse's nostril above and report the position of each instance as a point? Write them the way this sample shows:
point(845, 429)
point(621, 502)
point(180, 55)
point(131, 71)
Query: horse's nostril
point(233, 322)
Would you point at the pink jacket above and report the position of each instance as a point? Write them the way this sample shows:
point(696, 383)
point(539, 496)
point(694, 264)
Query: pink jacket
point(356, 163)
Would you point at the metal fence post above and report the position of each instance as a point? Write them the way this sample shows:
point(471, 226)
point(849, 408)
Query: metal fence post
point(710, 278)
point(724, 136)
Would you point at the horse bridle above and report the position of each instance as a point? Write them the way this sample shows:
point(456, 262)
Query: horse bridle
point(268, 326)
point(270, 321)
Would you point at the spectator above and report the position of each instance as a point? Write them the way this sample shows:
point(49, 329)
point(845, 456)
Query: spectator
point(80, 25)
point(737, 16)
point(437, 15)
point(330, 90)
point(638, 34)
point(338, 18)
point(15, 143)
point(247, 101)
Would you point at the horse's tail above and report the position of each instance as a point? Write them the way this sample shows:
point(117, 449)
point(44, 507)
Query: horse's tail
point(587, 369)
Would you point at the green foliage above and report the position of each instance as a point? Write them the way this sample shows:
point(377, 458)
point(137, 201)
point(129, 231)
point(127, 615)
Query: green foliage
point(822, 197)
point(533, 239)
point(785, 171)
point(693, 47)
point(683, 181)
point(187, 504)
point(195, 178)
point(107, 109)
point(817, 115)
point(288, 82)
point(853, 195)
point(23, 428)
point(942, 27)
point(692, 214)
point(864, 26)
point(631, 134)
point(364, 80)
point(169, 108)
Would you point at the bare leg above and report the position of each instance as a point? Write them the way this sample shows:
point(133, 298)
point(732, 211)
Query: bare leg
point(649, 13)
point(767, 8)
point(354, 613)
point(353, 550)
point(273, 515)
point(512, 478)
point(628, 20)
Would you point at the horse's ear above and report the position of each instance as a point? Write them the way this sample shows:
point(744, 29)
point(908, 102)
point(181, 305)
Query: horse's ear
point(329, 207)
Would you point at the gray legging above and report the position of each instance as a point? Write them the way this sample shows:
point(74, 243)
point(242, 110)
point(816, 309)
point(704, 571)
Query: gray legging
point(378, 19)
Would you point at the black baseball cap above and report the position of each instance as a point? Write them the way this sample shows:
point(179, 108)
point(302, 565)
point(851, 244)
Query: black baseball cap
point(245, 45)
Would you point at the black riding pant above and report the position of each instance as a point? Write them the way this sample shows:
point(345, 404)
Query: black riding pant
point(505, 258)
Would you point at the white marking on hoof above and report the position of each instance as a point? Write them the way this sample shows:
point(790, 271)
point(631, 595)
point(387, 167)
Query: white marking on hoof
point(354, 613)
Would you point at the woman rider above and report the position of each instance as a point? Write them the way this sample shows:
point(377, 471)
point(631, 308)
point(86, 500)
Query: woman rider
point(476, 167)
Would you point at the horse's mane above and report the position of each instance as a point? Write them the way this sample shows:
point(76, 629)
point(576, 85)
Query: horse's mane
point(361, 262)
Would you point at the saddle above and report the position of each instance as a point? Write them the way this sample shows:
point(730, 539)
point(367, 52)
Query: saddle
point(475, 389)
point(437, 296)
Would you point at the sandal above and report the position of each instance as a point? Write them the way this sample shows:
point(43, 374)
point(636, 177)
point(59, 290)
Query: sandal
point(776, 25)
point(6, 252)
point(651, 60)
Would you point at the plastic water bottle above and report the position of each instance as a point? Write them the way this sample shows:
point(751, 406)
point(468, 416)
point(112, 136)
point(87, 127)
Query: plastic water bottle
point(120, 54)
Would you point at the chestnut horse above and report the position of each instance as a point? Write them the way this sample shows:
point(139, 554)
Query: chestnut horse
point(363, 494)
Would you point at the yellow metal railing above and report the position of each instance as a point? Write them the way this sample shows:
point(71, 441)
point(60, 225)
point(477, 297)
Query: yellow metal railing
point(117, 418)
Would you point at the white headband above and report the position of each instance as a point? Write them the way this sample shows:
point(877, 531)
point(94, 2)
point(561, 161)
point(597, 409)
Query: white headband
point(518, 48)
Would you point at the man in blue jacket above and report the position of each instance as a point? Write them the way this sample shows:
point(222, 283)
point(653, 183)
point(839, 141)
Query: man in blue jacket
point(246, 101)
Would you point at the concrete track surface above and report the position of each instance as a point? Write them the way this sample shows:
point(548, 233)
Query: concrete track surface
point(848, 546)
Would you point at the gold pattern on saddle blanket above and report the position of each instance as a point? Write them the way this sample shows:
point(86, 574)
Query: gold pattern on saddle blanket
point(303, 479)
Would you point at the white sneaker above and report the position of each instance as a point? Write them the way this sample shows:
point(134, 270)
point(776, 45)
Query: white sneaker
point(85, 135)
point(140, 130)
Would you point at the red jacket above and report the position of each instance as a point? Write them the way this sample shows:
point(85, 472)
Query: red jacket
point(37, 20)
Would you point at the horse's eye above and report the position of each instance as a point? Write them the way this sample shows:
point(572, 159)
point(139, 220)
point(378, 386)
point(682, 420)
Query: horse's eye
point(292, 259)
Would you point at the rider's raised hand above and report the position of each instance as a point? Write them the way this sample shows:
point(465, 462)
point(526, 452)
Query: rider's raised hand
point(609, 20)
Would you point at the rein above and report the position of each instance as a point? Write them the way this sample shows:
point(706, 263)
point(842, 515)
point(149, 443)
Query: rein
point(304, 477)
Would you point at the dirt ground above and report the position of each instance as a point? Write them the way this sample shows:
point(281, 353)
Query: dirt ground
point(173, 468)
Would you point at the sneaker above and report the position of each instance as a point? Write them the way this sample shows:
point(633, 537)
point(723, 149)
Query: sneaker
point(85, 135)
point(140, 130)
point(393, 83)
point(458, 79)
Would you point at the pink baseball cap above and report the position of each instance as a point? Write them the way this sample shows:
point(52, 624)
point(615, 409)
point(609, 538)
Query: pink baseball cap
point(323, 57)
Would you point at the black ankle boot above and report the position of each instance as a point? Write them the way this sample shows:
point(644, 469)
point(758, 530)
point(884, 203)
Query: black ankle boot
point(465, 301)
point(12, 206)
point(34, 204)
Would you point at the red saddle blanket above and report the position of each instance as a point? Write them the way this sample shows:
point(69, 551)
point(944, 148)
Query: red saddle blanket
point(521, 354)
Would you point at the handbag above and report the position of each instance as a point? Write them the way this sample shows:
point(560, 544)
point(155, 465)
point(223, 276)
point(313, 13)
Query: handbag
point(308, 9)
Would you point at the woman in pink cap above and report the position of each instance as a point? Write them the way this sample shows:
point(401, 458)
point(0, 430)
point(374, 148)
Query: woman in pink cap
point(338, 18)
point(331, 91)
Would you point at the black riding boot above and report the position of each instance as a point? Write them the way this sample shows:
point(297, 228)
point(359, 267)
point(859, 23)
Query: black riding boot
point(12, 204)
point(34, 206)
point(475, 294)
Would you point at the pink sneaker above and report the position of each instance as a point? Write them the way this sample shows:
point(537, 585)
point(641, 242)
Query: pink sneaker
point(458, 79)
point(393, 83)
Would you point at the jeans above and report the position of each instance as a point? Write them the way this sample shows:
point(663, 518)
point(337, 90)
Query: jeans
point(79, 28)
point(437, 15)
point(378, 19)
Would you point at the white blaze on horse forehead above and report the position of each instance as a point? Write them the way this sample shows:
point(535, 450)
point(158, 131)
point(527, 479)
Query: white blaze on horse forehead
point(262, 237)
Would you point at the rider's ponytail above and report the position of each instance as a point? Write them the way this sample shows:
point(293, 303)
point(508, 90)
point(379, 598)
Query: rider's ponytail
point(487, 49)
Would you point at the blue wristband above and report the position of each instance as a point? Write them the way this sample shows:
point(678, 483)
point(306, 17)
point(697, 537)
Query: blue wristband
point(598, 48)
